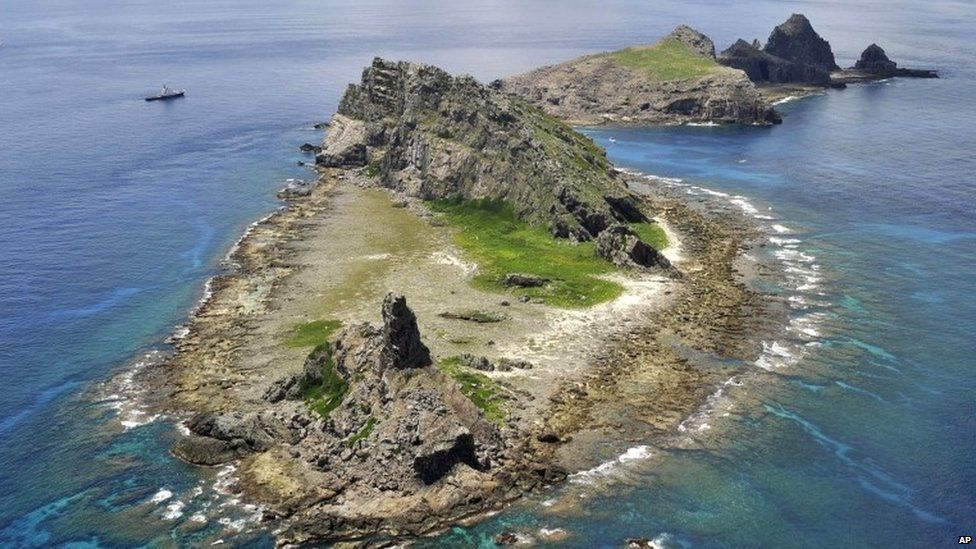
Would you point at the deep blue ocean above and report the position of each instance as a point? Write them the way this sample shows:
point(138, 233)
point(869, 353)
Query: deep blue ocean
point(856, 428)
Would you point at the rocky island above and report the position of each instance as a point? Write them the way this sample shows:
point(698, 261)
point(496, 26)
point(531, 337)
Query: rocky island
point(676, 80)
point(681, 80)
point(547, 309)
point(796, 56)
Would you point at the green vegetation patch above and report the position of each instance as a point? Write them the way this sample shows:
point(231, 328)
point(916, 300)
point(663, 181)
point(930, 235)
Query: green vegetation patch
point(652, 233)
point(479, 388)
point(312, 334)
point(667, 60)
point(372, 169)
point(501, 244)
point(324, 397)
point(363, 433)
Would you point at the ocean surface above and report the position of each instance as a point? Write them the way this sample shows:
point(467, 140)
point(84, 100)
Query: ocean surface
point(856, 427)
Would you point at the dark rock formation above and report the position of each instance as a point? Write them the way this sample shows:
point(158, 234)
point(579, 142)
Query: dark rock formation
point(600, 88)
point(435, 460)
point(761, 66)
point(402, 347)
point(621, 246)
point(519, 280)
point(874, 59)
point(218, 438)
point(796, 41)
point(430, 135)
point(874, 63)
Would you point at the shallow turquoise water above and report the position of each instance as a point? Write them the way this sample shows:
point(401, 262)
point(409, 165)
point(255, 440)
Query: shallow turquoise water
point(857, 431)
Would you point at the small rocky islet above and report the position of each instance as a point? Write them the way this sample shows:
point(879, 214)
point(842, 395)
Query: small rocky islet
point(377, 435)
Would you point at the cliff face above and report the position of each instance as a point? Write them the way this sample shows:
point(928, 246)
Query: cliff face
point(794, 54)
point(429, 135)
point(676, 80)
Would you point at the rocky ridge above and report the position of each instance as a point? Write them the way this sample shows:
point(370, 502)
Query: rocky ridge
point(429, 135)
point(598, 89)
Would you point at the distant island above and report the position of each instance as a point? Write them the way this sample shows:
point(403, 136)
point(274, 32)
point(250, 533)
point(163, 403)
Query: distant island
point(680, 79)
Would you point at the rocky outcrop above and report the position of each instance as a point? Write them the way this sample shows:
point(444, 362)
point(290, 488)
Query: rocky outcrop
point(402, 347)
point(762, 67)
point(621, 246)
point(369, 438)
point(794, 54)
point(796, 41)
point(614, 88)
point(345, 144)
point(874, 59)
point(218, 438)
point(430, 135)
point(874, 64)
point(696, 41)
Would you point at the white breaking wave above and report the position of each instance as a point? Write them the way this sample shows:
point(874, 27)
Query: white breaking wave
point(604, 469)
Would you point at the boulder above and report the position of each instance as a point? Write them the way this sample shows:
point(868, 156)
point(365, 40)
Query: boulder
point(402, 347)
point(476, 362)
point(621, 246)
point(520, 280)
point(507, 364)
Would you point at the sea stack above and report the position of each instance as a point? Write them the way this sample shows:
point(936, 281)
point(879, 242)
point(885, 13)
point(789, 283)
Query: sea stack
point(794, 54)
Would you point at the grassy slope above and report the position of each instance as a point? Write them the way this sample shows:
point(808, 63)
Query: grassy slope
point(501, 244)
point(666, 60)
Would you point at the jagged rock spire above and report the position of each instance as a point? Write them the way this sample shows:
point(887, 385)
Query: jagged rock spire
point(402, 347)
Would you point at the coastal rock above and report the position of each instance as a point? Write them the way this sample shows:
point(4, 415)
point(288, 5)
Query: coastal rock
point(218, 438)
point(402, 347)
point(633, 86)
point(622, 246)
point(434, 136)
point(796, 41)
point(794, 54)
point(874, 59)
point(761, 66)
point(874, 64)
point(344, 145)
